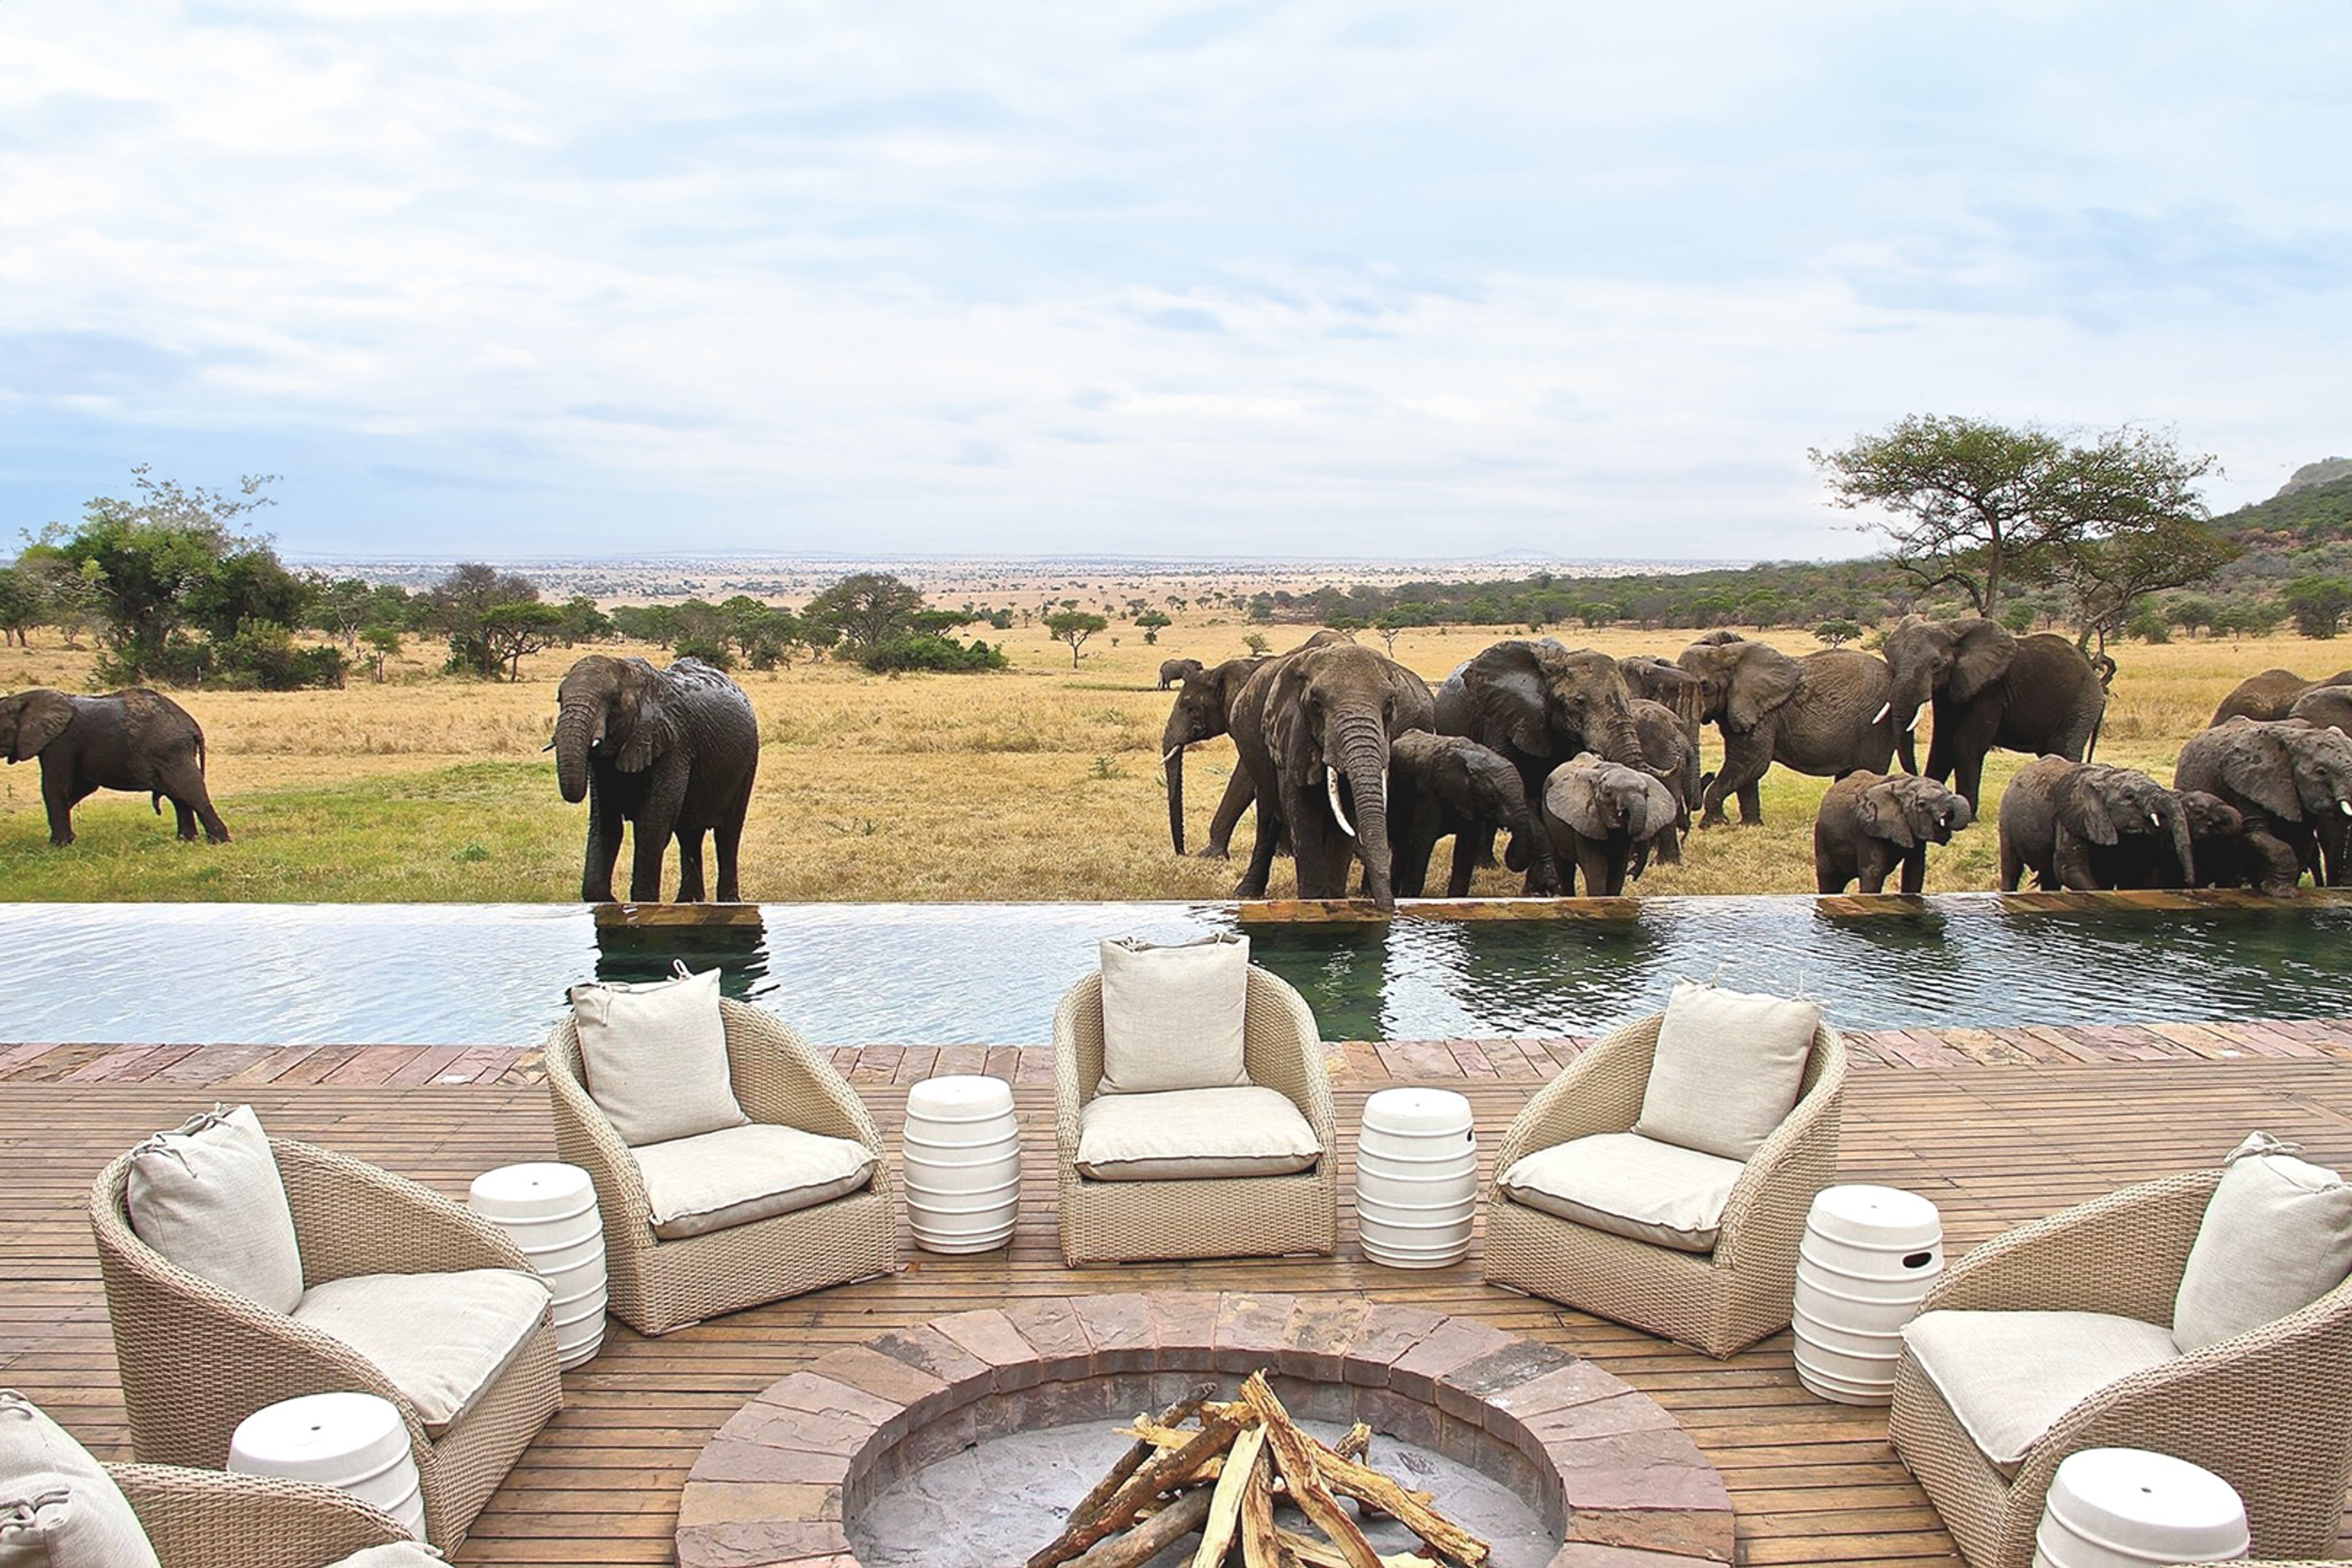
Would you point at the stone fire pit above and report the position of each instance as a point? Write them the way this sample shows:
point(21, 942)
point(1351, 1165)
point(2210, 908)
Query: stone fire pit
point(1609, 1470)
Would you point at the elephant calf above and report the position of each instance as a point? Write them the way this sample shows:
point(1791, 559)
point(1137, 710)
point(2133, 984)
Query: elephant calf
point(1604, 818)
point(2082, 826)
point(136, 739)
point(1871, 823)
point(1441, 785)
point(2292, 782)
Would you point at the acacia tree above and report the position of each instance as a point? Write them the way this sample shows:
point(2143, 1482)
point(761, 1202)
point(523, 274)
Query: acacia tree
point(461, 607)
point(20, 604)
point(1075, 627)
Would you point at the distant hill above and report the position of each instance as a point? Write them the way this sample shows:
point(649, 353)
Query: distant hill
point(2308, 510)
point(2325, 471)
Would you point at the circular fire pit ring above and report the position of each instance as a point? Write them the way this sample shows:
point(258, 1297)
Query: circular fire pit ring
point(1609, 1471)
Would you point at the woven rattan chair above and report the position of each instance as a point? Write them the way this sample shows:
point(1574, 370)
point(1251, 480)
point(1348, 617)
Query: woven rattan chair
point(209, 1518)
point(2269, 1411)
point(196, 1359)
point(1251, 1216)
point(1719, 1302)
point(658, 1285)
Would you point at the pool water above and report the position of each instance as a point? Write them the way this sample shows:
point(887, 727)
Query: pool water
point(991, 973)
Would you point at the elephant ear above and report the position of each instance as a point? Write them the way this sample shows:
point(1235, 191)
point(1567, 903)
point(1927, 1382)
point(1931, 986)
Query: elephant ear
point(1764, 680)
point(1650, 806)
point(41, 719)
point(2258, 766)
point(1287, 735)
point(2085, 809)
point(1880, 810)
point(1986, 650)
point(1574, 794)
point(652, 730)
point(1507, 688)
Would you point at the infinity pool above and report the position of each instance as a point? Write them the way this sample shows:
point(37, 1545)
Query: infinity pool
point(991, 973)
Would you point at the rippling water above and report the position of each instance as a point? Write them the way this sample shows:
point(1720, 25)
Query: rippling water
point(991, 973)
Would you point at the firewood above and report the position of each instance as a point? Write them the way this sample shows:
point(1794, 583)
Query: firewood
point(1309, 1553)
point(1150, 1538)
point(1411, 1510)
point(1133, 1460)
point(1225, 1505)
point(1158, 1475)
point(1356, 1444)
point(1261, 1542)
point(1295, 1456)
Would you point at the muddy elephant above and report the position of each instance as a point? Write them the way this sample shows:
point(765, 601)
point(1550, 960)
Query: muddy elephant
point(669, 753)
point(137, 740)
point(1824, 713)
point(1871, 823)
point(1442, 785)
point(2292, 783)
point(2083, 826)
point(1177, 671)
point(1670, 750)
point(1202, 711)
point(1988, 687)
point(1604, 818)
point(2271, 694)
point(1314, 729)
point(1540, 704)
point(2329, 707)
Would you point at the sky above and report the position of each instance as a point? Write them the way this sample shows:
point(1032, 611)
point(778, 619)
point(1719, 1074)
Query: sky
point(506, 280)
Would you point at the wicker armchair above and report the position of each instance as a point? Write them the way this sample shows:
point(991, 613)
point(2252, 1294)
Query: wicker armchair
point(207, 1519)
point(1719, 1302)
point(2269, 1411)
point(658, 1285)
point(196, 1359)
point(1251, 1216)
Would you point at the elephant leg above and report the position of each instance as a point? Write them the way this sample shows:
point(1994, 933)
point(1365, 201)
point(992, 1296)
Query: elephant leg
point(604, 826)
point(1472, 848)
point(689, 865)
point(58, 796)
point(1619, 855)
point(1261, 862)
point(1321, 852)
point(1592, 863)
point(2277, 865)
point(1240, 790)
point(2070, 865)
point(1751, 806)
point(184, 819)
point(2012, 866)
point(1829, 875)
point(645, 862)
point(1915, 870)
point(1870, 872)
point(726, 840)
point(1745, 756)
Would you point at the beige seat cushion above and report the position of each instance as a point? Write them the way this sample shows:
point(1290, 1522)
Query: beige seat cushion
point(1172, 1015)
point(1727, 1068)
point(59, 1508)
point(2008, 1376)
point(696, 1185)
point(1628, 1185)
point(1193, 1134)
point(208, 1198)
point(441, 1339)
point(654, 1057)
point(400, 1555)
point(2276, 1237)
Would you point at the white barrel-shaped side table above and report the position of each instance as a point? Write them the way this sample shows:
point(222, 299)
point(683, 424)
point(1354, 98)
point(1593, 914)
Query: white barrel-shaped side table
point(1868, 1256)
point(2125, 1508)
point(1416, 1178)
point(962, 1164)
point(550, 1211)
point(353, 1441)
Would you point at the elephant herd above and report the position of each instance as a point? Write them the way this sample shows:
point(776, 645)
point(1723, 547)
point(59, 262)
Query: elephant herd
point(1589, 764)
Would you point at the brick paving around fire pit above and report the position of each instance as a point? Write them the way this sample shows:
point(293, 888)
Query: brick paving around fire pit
point(1605, 1465)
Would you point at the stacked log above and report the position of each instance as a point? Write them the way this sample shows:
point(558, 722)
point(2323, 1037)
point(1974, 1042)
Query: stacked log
point(1224, 1479)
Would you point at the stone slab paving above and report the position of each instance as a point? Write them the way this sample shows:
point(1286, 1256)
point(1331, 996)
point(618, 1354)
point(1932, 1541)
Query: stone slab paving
point(1609, 1470)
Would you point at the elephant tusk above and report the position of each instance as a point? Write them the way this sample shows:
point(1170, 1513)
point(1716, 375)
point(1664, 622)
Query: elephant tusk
point(2345, 806)
point(1331, 787)
point(2156, 819)
point(1913, 726)
point(1170, 755)
point(1883, 710)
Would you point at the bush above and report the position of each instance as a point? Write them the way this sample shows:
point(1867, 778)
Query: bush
point(712, 652)
point(926, 650)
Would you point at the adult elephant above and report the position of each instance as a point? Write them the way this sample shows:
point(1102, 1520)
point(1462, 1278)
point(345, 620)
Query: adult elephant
point(1538, 704)
point(136, 739)
point(1988, 687)
point(1314, 729)
point(1442, 785)
point(2290, 780)
point(2080, 827)
point(1204, 711)
point(1604, 818)
point(1869, 824)
point(1177, 671)
point(2329, 707)
point(666, 752)
point(1662, 681)
point(2272, 694)
point(1824, 713)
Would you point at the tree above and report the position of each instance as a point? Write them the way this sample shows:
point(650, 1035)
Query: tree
point(1255, 642)
point(21, 603)
point(1075, 627)
point(461, 604)
point(250, 585)
point(869, 607)
point(383, 643)
point(139, 558)
point(510, 631)
point(340, 607)
point(2317, 603)
point(2108, 577)
point(1837, 633)
point(1151, 621)
point(584, 620)
point(1982, 507)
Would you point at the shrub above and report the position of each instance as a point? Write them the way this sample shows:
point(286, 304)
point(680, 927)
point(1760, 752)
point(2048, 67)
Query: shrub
point(928, 650)
point(712, 652)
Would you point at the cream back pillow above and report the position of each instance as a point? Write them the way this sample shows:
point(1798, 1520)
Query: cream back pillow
point(59, 1508)
point(655, 1055)
point(1172, 1015)
point(208, 1198)
point(1728, 1067)
point(2276, 1237)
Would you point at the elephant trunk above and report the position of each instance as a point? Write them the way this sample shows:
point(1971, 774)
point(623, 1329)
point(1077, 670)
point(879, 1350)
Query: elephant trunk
point(1908, 694)
point(575, 731)
point(1364, 762)
point(1623, 743)
point(2176, 820)
point(1174, 765)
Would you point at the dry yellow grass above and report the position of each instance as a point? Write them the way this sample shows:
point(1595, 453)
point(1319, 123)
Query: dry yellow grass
point(1038, 783)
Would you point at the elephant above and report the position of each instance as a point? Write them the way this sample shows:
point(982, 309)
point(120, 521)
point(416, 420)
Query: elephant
point(1670, 750)
point(2272, 695)
point(1988, 687)
point(1824, 713)
point(1314, 729)
point(2327, 706)
point(1870, 823)
point(136, 739)
point(2217, 831)
point(668, 753)
point(1177, 671)
point(1447, 784)
point(1603, 818)
point(2290, 780)
point(1540, 704)
point(1202, 711)
point(2083, 826)
point(1664, 682)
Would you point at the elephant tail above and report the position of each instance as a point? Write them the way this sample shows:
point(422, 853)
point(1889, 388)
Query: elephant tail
point(155, 799)
point(2091, 747)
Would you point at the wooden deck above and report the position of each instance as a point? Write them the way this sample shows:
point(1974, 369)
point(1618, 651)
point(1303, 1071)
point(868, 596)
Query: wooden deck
point(1992, 1145)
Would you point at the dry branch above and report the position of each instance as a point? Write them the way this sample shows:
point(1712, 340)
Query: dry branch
point(1150, 1538)
point(1156, 1476)
point(1294, 1455)
point(1226, 1508)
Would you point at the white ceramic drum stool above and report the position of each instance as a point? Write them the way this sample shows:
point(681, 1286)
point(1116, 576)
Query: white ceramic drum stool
point(1416, 1178)
point(1869, 1255)
point(550, 1211)
point(963, 1165)
point(353, 1441)
point(2124, 1508)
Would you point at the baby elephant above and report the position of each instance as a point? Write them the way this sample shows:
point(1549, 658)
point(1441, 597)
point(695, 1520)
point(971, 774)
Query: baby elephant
point(135, 740)
point(2086, 825)
point(1445, 784)
point(1604, 817)
point(1871, 823)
